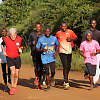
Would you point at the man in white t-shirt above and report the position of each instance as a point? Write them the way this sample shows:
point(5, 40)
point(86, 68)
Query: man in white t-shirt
point(3, 61)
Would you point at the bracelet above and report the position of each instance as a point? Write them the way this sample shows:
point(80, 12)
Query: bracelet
point(72, 39)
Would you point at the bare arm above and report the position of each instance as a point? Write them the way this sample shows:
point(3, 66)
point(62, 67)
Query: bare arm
point(82, 54)
point(41, 50)
point(55, 53)
point(4, 52)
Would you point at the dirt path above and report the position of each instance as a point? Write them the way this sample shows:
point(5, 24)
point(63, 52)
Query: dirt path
point(27, 91)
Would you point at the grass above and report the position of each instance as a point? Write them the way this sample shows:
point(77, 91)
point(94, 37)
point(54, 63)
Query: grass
point(77, 63)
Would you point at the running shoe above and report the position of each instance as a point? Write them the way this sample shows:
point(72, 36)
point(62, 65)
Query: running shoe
point(6, 89)
point(67, 86)
point(85, 76)
point(95, 85)
point(15, 90)
point(44, 83)
point(64, 83)
point(52, 83)
point(91, 87)
point(36, 81)
point(12, 90)
point(48, 88)
point(39, 87)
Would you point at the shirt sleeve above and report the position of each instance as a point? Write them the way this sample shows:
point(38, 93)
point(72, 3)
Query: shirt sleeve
point(97, 45)
point(73, 35)
point(38, 45)
point(56, 42)
point(22, 43)
point(3, 43)
point(81, 47)
point(56, 35)
point(29, 41)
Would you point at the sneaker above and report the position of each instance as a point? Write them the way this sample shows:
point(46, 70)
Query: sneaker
point(44, 83)
point(9, 80)
point(39, 87)
point(36, 81)
point(64, 83)
point(91, 87)
point(6, 89)
point(52, 83)
point(95, 85)
point(12, 90)
point(48, 88)
point(85, 76)
point(67, 86)
point(15, 90)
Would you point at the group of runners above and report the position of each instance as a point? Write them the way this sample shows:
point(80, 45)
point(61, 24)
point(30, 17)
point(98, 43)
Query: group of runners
point(44, 48)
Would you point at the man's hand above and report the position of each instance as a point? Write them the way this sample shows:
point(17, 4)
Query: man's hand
point(33, 42)
point(55, 55)
point(69, 39)
point(20, 50)
point(4, 53)
point(44, 50)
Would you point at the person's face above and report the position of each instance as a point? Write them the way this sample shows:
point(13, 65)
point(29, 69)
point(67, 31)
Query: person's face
point(89, 36)
point(4, 33)
point(47, 32)
point(38, 27)
point(93, 24)
point(64, 27)
point(13, 36)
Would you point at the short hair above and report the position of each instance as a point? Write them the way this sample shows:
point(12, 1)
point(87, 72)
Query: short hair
point(38, 23)
point(47, 27)
point(4, 29)
point(12, 30)
point(91, 20)
point(63, 23)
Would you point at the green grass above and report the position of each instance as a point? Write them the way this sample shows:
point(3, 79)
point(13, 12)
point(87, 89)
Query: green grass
point(77, 63)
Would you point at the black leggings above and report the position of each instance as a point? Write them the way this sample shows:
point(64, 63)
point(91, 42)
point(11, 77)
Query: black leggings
point(4, 72)
point(66, 62)
point(52, 66)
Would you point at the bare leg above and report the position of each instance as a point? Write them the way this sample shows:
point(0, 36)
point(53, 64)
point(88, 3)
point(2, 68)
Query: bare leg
point(48, 79)
point(12, 68)
point(16, 76)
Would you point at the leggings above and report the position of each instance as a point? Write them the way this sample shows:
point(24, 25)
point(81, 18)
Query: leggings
point(66, 62)
point(4, 72)
point(52, 66)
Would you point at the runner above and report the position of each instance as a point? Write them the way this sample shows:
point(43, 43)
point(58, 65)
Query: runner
point(65, 37)
point(95, 36)
point(4, 61)
point(12, 53)
point(46, 45)
point(36, 56)
point(90, 48)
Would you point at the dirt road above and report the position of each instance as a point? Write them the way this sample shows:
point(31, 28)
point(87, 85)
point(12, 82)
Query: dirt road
point(27, 91)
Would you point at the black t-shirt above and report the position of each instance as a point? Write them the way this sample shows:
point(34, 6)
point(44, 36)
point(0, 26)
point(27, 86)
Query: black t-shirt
point(95, 35)
point(34, 37)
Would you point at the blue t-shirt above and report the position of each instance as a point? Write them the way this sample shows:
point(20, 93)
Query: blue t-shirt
point(50, 44)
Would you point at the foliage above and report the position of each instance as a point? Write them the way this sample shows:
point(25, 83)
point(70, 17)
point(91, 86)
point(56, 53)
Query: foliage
point(24, 14)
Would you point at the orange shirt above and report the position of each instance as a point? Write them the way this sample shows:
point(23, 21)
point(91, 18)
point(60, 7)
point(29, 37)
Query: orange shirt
point(64, 46)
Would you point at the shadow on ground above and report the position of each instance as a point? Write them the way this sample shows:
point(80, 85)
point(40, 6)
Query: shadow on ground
point(59, 83)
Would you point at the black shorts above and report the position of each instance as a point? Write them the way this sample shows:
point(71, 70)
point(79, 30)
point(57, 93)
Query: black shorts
point(37, 63)
point(91, 69)
point(52, 67)
point(14, 62)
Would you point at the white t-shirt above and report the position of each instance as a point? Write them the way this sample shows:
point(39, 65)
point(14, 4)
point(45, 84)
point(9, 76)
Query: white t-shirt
point(2, 58)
